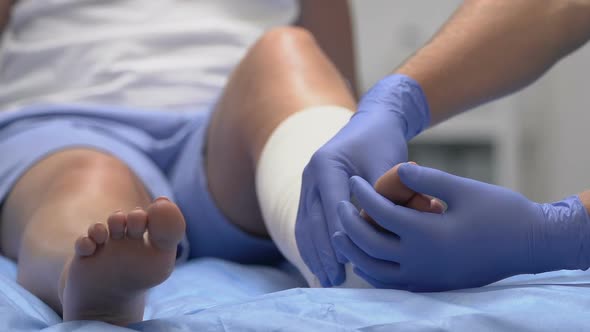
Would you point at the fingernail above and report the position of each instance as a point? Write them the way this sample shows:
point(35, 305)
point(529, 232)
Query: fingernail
point(435, 206)
point(351, 184)
point(438, 205)
point(162, 198)
point(405, 168)
point(337, 238)
point(353, 181)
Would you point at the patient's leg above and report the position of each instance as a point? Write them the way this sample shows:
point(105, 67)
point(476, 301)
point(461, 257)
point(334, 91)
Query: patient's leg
point(285, 78)
point(284, 73)
point(61, 230)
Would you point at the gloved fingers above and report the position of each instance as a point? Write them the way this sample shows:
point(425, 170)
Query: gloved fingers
point(307, 219)
point(333, 189)
point(394, 218)
point(376, 243)
point(377, 283)
point(431, 181)
point(418, 202)
point(377, 269)
point(333, 270)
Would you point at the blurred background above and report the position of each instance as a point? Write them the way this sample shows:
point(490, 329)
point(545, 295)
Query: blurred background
point(535, 141)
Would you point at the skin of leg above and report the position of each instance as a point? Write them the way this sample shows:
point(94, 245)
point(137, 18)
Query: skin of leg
point(53, 204)
point(283, 73)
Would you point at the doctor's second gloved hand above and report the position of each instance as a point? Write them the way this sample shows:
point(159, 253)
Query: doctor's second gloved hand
point(487, 233)
point(373, 141)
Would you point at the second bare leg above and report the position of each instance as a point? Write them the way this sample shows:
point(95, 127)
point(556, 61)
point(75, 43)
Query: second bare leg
point(54, 223)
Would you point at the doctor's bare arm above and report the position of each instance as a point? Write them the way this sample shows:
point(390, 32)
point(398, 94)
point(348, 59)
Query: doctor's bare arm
point(4, 12)
point(331, 25)
point(490, 48)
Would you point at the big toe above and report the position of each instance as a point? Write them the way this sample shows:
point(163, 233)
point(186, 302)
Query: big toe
point(165, 225)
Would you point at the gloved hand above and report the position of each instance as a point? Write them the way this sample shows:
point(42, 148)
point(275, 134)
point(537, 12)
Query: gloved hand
point(373, 141)
point(487, 233)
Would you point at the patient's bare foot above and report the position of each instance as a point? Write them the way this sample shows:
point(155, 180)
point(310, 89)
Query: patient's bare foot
point(114, 265)
point(390, 186)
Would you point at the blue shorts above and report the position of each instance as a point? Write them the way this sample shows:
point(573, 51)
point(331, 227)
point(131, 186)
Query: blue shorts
point(165, 150)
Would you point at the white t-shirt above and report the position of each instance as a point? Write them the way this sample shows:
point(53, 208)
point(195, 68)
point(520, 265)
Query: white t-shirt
point(172, 54)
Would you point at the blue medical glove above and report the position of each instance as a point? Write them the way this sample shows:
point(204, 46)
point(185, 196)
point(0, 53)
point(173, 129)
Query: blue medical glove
point(373, 141)
point(487, 233)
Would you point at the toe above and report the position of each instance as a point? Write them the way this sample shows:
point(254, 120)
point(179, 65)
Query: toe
point(136, 223)
point(166, 224)
point(116, 224)
point(98, 233)
point(85, 246)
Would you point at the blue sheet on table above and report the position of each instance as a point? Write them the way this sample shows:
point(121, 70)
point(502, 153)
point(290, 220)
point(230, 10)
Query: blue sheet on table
point(215, 295)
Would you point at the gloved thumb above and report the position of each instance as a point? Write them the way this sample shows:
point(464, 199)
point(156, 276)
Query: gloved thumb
point(430, 181)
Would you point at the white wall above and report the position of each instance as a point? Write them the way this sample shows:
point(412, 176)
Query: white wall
point(563, 138)
point(388, 31)
point(551, 115)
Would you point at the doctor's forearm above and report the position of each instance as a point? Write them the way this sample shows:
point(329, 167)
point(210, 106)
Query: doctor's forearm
point(4, 12)
point(490, 48)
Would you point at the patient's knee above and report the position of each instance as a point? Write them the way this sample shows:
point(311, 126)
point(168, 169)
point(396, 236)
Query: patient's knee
point(79, 168)
point(68, 174)
point(286, 43)
point(71, 171)
point(287, 35)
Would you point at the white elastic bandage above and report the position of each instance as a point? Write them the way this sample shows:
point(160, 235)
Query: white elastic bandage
point(279, 173)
